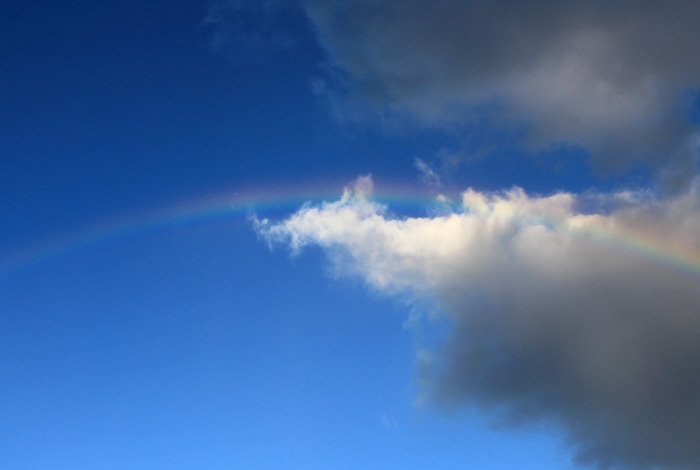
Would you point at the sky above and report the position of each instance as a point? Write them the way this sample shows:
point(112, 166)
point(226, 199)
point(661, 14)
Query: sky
point(323, 234)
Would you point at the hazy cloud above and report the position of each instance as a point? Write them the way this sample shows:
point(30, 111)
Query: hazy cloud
point(610, 76)
point(428, 175)
point(247, 30)
point(589, 321)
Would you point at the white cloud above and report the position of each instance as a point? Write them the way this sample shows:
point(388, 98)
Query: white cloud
point(583, 320)
point(428, 175)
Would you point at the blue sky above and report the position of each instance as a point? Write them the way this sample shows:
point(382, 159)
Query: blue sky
point(167, 301)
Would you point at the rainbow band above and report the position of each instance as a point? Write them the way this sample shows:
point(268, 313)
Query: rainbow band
point(287, 200)
point(282, 201)
point(651, 246)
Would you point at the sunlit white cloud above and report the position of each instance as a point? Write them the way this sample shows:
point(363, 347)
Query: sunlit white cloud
point(581, 313)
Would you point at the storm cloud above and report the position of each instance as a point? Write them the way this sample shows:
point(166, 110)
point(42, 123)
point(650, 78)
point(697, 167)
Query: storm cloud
point(579, 313)
point(609, 76)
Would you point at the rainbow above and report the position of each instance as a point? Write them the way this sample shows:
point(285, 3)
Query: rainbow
point(282, 201)
point(652, 246)
point(278, 201)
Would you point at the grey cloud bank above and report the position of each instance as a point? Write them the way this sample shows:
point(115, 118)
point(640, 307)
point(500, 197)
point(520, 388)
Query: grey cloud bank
point(585, 321)
point(609, 76)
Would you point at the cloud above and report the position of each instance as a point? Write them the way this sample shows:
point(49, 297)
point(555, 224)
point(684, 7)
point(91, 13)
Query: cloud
point(428, 175)
point(581, 313)
point(610, 76)
point(248, 30)
point(388, 422)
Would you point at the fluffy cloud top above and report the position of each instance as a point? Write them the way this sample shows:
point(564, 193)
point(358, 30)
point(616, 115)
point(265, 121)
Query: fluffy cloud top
point(606, 75)
point(553, 321)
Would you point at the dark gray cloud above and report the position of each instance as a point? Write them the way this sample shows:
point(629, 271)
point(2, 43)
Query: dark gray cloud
point(610, 76)
point(586, 321)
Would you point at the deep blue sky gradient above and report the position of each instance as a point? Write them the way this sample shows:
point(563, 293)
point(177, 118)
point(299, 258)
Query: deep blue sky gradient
point(107, 108)
point(195, 346)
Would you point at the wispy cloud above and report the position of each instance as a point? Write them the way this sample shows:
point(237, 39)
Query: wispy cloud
point(387, 421)
point(587, 321)
point(248, 30)
point(428, 175)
